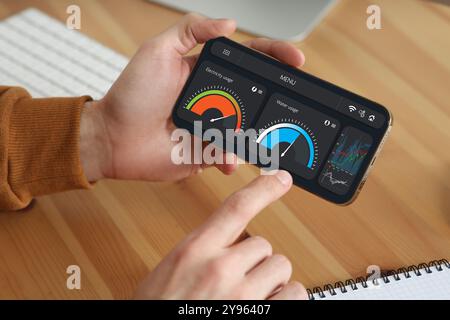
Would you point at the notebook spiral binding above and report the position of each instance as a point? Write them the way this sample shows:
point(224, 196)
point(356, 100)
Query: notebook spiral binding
point(395, 274)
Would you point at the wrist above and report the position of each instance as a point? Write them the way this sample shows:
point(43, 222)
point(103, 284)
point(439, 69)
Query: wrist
point(95, 150)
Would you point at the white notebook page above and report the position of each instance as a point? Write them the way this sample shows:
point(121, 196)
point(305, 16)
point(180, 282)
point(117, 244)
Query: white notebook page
point(433, 286)
point(42, 55)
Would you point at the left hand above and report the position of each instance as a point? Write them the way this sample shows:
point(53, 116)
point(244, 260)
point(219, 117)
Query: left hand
point(126, 135)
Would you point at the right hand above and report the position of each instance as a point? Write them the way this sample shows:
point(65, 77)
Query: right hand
point(209, 264)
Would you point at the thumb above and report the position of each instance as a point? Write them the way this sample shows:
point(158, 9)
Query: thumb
point(194, 29)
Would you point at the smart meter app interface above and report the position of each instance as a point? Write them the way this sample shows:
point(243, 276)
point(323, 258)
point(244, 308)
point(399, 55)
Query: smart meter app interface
point(325, 136)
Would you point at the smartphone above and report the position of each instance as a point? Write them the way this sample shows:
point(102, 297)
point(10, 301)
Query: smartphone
point(325, 136)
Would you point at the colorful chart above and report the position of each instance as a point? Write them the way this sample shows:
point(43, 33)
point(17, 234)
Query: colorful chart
point(219, 100)
point(345, 160)
point(349, 154)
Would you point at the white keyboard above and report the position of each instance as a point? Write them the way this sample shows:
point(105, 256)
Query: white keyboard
point(42, 55)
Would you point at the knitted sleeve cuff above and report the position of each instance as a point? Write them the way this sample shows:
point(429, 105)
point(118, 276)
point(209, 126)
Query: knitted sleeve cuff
point(41, 147)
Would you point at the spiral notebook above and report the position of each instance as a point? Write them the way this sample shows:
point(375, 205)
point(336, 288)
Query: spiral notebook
point(426, 281)
point(41, 54)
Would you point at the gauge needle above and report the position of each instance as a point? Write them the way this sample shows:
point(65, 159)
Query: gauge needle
point(289, 146)
point(220, 118)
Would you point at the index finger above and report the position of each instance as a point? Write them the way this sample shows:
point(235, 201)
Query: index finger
point(281, 50)
point(228, 222)
point(194, 29)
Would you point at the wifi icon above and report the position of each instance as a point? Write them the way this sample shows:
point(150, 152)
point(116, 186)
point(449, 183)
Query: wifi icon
point(351, 108)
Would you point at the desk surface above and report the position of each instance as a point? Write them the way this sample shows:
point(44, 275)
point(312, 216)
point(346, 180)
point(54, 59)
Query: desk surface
point(119, 231)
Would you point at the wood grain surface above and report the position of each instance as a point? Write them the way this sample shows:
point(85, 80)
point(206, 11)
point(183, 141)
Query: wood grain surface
point(120, 230)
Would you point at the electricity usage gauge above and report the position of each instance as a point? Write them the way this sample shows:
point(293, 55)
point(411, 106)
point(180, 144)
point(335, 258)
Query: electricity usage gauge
point(217, 107)
point(293, 144)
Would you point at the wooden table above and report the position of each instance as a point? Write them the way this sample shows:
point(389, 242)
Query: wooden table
point(120, 230)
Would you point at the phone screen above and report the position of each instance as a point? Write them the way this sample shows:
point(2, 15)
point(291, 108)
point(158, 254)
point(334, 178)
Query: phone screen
point(325, 136)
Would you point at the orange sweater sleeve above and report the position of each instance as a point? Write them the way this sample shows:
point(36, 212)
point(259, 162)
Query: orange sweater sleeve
point(39, 146)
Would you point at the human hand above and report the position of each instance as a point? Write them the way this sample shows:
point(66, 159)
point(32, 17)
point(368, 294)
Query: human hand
point(209, 264)
point(126, 135)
